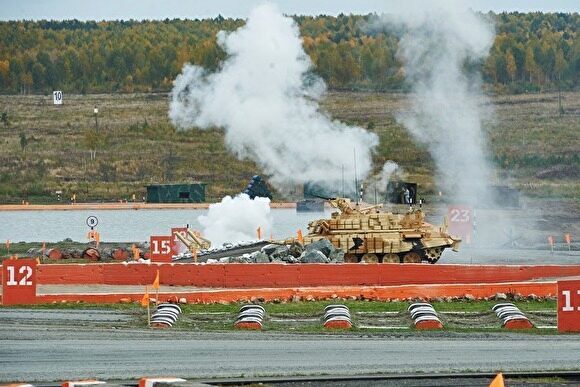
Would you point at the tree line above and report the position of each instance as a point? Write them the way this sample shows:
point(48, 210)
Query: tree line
point(531, 51)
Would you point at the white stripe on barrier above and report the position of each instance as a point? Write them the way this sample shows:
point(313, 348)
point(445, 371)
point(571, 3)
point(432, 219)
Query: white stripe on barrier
point(150, 382)
point(82, 383)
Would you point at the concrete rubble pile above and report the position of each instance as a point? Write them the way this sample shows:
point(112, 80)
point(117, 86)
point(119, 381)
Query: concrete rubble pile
point(107, 253)
point(321, 251)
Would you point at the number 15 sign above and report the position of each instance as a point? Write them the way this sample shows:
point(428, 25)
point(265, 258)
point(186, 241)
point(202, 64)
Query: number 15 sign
point(569, 306)
point(160, 248)
point(19, 281)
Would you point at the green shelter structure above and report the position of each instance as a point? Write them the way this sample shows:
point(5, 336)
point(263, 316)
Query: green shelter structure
point(176, 193)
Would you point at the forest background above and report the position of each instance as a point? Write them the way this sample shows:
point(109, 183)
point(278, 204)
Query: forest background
point(531, 52)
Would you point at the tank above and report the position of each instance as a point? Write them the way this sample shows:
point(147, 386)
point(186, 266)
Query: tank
point(368, 234)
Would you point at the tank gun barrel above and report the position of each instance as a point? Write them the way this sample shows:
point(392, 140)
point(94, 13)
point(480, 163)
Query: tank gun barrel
point(322, 197)
point(365, 210)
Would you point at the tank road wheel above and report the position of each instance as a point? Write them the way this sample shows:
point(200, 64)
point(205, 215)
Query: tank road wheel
point(350, 258)
point(412, 257)
point(433, 254)
point(391, 258)
point(370, 258)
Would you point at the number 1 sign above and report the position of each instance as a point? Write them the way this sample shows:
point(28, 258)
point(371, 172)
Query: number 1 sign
point(19, 281)
point(569, 306)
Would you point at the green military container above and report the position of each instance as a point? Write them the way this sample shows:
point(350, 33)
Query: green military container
point(176, 193)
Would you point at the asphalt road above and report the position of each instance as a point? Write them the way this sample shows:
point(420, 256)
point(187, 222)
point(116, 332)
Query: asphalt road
point(490, 256)
point(35, 353)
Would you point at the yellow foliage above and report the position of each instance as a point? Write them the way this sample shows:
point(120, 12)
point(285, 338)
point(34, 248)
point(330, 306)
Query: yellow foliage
point(308, 42)
point(4, 68)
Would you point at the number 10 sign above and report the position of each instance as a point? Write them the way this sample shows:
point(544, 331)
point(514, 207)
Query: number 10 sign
point(569, 306)
point(19, 281)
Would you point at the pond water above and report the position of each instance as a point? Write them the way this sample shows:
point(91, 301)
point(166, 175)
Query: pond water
point(126, 225)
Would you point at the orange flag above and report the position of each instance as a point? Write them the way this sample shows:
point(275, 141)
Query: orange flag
point(156, 282)
point(145, 299)
point(300, 237)
point(497, 381)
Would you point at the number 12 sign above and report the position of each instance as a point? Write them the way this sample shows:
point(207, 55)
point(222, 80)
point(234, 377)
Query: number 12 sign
point(160, 248)
point(19, 281)
point(569, 306)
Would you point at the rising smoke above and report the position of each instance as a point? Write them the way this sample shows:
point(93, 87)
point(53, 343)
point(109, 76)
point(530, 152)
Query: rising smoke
point(377, 187)
point(439, 42)
point(237, 219)
point(267, 100)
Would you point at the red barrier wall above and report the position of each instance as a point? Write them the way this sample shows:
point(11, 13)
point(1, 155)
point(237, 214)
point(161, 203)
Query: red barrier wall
point(541, 289)
point(283, 275)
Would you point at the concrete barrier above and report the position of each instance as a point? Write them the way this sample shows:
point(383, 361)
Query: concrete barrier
point(511, 316)
point(250, 317)
point(380, 293)
point(424, 316)
point(292, 275)
point(165, 315)
point(337, 316)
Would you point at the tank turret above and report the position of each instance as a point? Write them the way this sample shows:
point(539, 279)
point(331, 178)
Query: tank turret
point(368, 234)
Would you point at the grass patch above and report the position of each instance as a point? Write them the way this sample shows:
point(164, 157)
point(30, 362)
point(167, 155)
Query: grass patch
point(137, 145)
point(372, 317)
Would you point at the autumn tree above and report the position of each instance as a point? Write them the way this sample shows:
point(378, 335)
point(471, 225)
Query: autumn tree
point(511, 66)
point(127, 56)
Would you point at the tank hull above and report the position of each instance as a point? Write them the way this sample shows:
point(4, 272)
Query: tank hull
point(370, 235)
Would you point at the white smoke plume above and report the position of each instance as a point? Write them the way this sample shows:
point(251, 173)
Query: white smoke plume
point(267, 100)
point(237, 219)
point(377, 187)
point(440, 39)
point(389, 168)
point(442, 43)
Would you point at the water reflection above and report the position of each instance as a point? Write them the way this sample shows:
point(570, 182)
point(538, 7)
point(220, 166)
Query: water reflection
point(125, 225)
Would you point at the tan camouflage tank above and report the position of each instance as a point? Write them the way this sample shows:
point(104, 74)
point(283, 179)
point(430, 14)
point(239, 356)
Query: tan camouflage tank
point(367, 234)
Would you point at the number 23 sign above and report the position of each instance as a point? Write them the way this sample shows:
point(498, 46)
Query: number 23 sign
point(461, 221)
point(19, 281)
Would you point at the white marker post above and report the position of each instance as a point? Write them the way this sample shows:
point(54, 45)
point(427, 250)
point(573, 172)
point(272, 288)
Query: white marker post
point(57, 97)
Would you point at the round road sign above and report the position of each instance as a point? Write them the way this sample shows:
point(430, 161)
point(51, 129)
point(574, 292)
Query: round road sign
point(92, 221)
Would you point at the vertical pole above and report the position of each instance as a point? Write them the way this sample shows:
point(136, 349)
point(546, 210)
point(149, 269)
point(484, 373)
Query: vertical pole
point(148, 309)
point(560, 110)
point(342, 185)
point(355, 178)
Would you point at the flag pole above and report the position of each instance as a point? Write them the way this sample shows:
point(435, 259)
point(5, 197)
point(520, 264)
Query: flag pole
point(148, 309)
point(156, 285)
